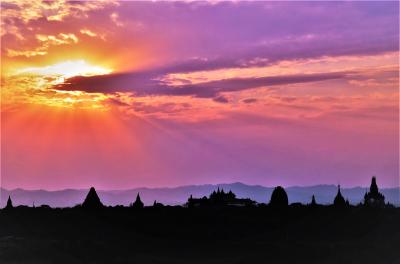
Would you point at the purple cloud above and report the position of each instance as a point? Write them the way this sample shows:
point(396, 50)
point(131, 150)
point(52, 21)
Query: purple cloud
point(143, 84)
point(249, 100)
point(221, 99)
point(242, 33)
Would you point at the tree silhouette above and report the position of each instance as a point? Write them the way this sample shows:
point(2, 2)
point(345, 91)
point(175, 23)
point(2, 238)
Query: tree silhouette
point(279, 198)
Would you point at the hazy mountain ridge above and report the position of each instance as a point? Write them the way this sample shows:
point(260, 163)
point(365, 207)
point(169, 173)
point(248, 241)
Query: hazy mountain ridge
point(178, 195)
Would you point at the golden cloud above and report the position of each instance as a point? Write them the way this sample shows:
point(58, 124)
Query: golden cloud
point(26, 53)
point(88, 32)
point(47, 41)
point(60, 39)
point(15, 12)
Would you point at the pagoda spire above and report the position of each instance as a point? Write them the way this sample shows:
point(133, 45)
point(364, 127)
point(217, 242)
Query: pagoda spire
point(313, 202)
point(138, 202)
point(9, 204)
point(373, 189)
point(339, 200)
point(374, 198)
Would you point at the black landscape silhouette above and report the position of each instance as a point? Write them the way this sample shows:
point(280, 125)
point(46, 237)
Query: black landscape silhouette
point(324, 194)
point(218, 228)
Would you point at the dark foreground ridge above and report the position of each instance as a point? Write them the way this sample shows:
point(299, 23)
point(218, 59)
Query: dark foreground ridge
point(220, 228)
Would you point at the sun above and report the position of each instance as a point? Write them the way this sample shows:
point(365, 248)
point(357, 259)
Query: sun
point(67, 69)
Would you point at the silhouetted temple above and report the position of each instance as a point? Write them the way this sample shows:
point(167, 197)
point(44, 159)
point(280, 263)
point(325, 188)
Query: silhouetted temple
point(374, 198)
point(339, 200)
point(279, 198)
point(313, 202)
point(9, 204)
point(219, 198)
point(92, 200)
point(138, 204)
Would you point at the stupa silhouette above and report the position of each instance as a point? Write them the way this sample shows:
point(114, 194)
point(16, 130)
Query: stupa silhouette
point(374, 198)
point(9, 204)
point(313, 201)
point(279, 198)
point(339, 200)
point(138, 204)
point(92, 200)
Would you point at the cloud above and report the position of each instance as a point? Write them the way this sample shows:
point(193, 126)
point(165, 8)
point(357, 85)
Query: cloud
point(248, 36)
point(18, 14)
point(46, 41)
point(160, 108)
point(60, 39)
point(88, 32)
point(249, 100)
point(146, 83)
point(115, 19)
point(50, 10)
point(287, 99)
point(221, 99)
point(27, 53)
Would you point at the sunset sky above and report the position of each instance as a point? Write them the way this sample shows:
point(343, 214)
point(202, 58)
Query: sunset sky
point(127, 94)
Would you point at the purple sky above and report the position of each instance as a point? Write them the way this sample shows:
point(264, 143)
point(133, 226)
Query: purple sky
point(127, 94)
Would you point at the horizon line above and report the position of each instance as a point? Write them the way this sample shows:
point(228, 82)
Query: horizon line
point(195, 185)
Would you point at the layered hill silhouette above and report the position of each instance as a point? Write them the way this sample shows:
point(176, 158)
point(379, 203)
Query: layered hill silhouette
point(324, 194)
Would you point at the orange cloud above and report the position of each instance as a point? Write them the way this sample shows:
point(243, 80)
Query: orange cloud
point(88, 32)
point(57, 10)
point(27, 53)
point(62, 38)
point(47, 41)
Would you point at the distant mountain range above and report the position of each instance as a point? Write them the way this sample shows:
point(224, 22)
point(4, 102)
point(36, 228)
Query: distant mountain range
point(324, 194)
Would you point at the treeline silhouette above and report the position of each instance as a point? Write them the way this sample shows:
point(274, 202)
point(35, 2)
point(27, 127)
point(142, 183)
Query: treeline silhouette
point(220, 198)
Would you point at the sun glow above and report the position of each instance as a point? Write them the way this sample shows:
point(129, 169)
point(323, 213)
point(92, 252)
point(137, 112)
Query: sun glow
point(36, 85)
point(67, 69)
